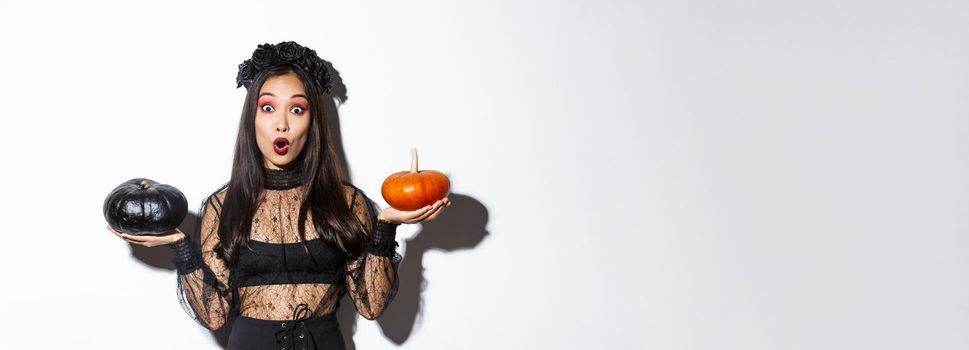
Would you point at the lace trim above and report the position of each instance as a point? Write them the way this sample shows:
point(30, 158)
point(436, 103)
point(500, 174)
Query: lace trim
point(383, 242)
point(186, 259)
point(284, 179)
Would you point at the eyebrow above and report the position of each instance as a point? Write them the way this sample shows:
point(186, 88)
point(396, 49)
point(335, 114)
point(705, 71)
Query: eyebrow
point(294, 96)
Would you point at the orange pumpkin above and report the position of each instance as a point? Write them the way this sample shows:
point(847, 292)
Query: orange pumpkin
point(412, 190)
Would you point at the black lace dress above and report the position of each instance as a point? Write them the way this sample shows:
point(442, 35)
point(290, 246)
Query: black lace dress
point(285, 293)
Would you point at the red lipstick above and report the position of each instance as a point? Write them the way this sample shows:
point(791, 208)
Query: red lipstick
point(281, 145)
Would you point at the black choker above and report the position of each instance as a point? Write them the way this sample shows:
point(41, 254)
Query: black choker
point(283, 179)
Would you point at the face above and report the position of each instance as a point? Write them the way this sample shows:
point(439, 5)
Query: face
point(282, 120)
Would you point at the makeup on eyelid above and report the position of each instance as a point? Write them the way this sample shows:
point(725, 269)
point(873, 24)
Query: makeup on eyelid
point(268, 101)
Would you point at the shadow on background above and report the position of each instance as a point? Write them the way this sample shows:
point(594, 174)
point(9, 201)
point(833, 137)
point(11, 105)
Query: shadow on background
point(162, 258)
point(461, 226)
point(158, 257)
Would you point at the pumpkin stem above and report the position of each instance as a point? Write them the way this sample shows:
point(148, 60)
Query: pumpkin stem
point(413, 160)
point(144, 184)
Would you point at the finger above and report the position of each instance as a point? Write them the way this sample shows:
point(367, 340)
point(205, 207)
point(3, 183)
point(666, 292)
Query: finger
point(115, 232)
point(128, 237)
point(122, 235)
point(436, 213)
point(155, 240)
point(433, 212)
point(133, 239)
point(428, 212)
point(410, 216)
point(129, 240)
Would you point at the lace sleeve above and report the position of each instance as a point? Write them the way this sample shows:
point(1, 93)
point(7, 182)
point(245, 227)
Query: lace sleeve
point(203, 278)
point(372, 277)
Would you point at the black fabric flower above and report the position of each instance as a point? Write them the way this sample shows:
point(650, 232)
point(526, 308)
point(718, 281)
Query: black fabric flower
point(287, 52)
point(246, 73)
point(310, 64)
point(264, 56)
point(290, 51)
point(323, 78)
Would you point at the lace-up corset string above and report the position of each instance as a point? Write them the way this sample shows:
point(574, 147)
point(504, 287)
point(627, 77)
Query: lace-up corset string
point(288, 333)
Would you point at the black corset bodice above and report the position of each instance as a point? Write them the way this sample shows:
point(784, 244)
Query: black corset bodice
point(288, 263)
point(276, 274)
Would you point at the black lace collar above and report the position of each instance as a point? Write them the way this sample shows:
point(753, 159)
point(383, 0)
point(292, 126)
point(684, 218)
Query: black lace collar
point(284, 179)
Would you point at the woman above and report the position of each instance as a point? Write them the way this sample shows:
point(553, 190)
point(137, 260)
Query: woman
point(287, 237)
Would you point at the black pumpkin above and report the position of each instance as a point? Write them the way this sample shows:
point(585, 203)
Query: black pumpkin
point(142, 206)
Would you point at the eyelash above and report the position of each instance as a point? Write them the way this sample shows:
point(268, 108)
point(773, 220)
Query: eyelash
point(292, 110)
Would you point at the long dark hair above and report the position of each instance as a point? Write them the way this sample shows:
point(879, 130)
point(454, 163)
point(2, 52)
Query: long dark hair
point(323, 179)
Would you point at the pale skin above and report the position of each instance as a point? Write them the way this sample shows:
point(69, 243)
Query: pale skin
point(284, 112)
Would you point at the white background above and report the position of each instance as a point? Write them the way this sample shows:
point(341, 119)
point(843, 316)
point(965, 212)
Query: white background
point(652, 174)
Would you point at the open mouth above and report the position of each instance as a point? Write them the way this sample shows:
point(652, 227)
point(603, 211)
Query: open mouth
point(281, 145)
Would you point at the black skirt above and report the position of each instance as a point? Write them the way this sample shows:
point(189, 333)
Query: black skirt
point(317, 333)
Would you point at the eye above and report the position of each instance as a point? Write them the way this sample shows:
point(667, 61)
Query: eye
point(297, 110)
point(267, 108)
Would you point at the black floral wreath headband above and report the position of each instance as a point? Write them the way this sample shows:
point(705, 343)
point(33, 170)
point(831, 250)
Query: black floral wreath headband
point(268, 55)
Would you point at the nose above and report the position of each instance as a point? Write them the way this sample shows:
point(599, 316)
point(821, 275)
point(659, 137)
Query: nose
point(282, 125)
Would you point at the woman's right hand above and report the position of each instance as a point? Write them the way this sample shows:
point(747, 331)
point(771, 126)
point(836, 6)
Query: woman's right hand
point(151, 240)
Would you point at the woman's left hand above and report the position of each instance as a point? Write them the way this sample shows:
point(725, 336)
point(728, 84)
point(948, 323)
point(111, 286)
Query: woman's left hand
point(429, 212)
